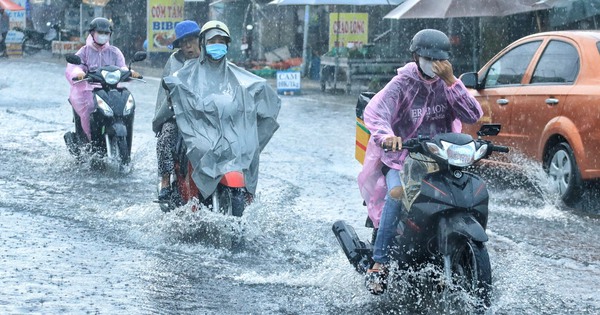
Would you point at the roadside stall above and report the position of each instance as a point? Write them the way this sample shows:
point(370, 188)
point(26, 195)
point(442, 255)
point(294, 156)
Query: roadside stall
point(351, 60)
point(351, 67)
point(73, 27)
point(356, 69)
point(16, 18)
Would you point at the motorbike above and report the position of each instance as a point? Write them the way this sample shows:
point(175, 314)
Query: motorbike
point(111, 123)
point(446, 222)
point(229, 198)
point(34, 41)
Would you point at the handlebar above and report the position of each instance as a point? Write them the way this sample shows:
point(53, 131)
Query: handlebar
point(499, 148)
point(129, 78)
point(411, 145)
point(415, 145)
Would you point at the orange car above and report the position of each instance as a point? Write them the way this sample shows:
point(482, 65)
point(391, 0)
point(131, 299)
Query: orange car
point(544, 89)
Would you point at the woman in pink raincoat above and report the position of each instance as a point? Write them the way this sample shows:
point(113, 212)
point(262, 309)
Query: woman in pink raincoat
point(96, 53)
point(424, 98)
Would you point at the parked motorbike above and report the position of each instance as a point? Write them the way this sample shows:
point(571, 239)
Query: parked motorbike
point(446, 221)
point(229, 198)
point(34, 41)
point(111, 123)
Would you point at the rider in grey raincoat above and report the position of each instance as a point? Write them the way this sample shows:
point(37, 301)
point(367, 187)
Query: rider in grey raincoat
point(225, 114)
point(163, 123)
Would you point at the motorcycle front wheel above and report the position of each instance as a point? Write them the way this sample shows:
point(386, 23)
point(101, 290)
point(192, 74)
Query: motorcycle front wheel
point(117, 149)
point(472, 273)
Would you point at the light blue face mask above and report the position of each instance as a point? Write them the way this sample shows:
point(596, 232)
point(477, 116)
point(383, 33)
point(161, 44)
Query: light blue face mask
point(216, 51)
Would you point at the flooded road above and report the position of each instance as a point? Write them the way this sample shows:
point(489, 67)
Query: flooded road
point(74, 240)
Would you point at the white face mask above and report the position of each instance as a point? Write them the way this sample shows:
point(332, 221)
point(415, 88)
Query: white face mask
point(427, 67)
point(101, 39)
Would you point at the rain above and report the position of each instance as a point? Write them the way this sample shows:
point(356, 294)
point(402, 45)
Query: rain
point(76, 240)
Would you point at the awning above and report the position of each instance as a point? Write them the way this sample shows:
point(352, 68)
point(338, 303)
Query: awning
point(11, 6)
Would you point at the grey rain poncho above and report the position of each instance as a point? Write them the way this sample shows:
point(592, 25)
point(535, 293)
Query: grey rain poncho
point(226, 116)
point(163, 111)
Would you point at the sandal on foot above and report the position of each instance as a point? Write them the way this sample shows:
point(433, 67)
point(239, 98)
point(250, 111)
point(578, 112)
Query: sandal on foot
point(376, 280)
point(164, 194)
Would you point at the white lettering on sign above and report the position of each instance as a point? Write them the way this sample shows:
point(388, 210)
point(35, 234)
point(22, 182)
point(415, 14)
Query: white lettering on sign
point(288, 80)
point(349, 27)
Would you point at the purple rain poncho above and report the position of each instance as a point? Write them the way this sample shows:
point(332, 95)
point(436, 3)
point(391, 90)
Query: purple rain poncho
point(94, 56)
point(408, 106)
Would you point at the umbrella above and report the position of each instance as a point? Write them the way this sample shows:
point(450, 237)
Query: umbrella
point(10, 6)
point(99, 3)
point(418, 9)
point(568, 11)
point(428, 9)
point(336, 2)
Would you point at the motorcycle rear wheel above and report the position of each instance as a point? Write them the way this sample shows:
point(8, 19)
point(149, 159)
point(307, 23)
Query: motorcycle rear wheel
point(229, 200)
point(472, 273)
point(28, 50)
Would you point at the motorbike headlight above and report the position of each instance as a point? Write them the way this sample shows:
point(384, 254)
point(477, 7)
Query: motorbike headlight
point(455, 154)
point(129, 105)
point(111, 77)
point(104, 106)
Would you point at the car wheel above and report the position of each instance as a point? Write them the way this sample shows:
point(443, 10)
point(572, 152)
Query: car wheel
point(563, 173)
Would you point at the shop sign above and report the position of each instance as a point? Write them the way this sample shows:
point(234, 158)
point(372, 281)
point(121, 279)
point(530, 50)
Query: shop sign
point(65, 47)
point(350, 30)
point(288, 82)
point(17, 18)
point(162, 16)
point(14, 37)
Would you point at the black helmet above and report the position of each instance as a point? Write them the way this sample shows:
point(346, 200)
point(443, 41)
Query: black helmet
point(431, 43)
point(100, 24)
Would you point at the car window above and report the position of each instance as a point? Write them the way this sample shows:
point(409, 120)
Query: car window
point(559, 64)
point(510, 68)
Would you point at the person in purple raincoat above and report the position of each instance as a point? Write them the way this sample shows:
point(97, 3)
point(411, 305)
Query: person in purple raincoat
point(96, 53)
point(423, 99)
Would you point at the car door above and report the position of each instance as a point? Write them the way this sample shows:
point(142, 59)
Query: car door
point(501, 82)
point(543, 96)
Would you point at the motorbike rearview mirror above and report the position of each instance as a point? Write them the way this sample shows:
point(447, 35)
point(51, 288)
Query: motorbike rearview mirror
point(139, 56)
point(73, 59)
point(470, 80)
point(489, 130)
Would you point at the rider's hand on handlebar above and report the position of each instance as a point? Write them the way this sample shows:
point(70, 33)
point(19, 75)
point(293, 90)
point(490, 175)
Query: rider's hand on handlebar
point(79, 76)
point(392, 143)
point(135, 74)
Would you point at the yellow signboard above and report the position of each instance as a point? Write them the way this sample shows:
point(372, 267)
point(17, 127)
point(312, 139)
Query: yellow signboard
point(163, 15)
point(350, 30)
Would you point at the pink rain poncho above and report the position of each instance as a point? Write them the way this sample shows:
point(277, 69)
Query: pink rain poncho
point(408, 106)
point(94, 56)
